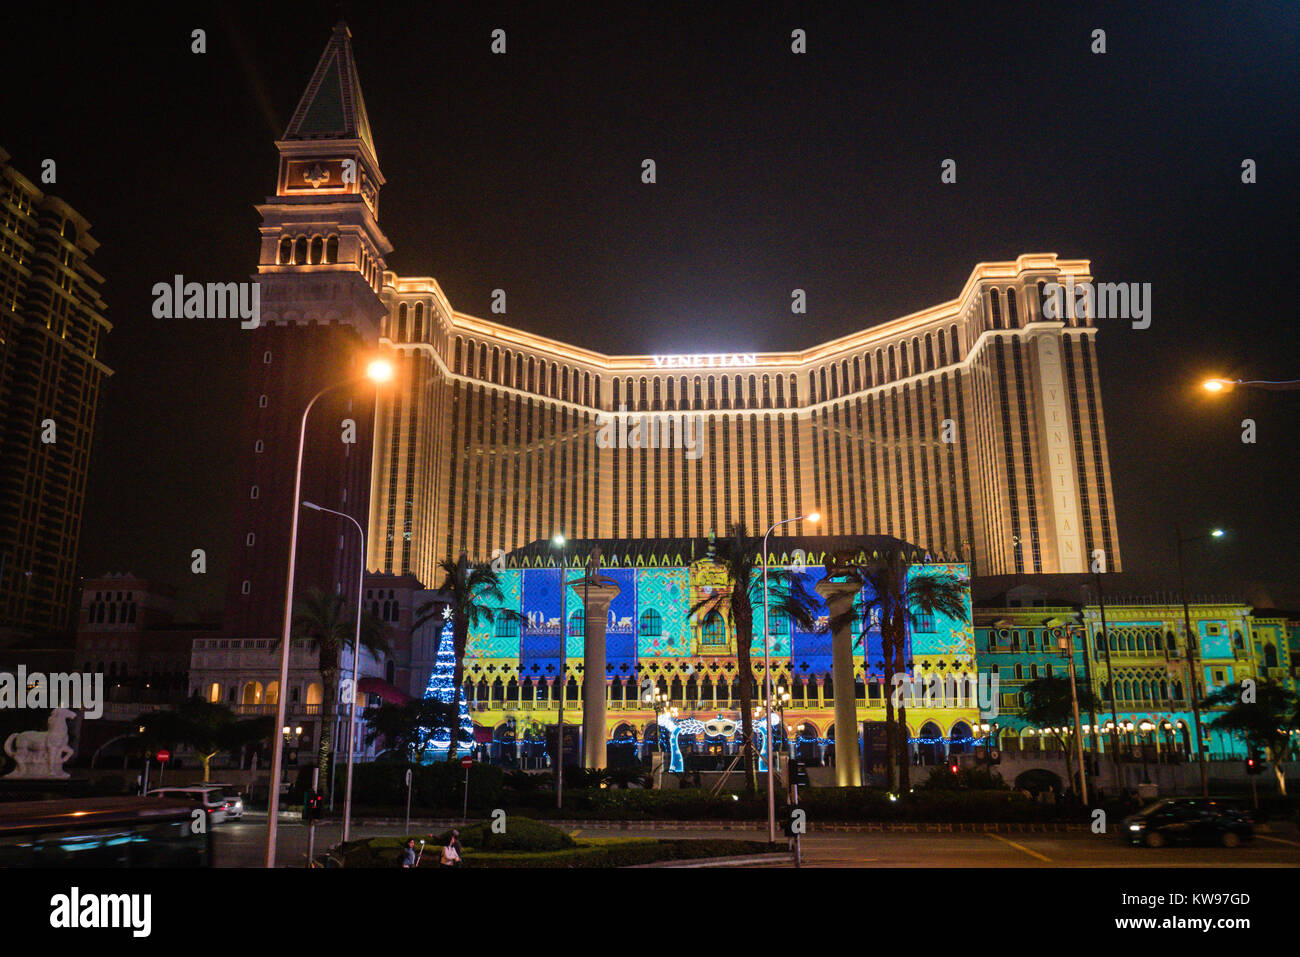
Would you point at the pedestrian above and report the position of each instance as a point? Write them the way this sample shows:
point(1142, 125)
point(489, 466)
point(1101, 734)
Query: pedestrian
point(408, 855)
point(451, 851)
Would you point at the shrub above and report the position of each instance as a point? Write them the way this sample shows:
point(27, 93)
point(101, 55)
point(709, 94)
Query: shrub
point(966, 779)
point(438, 786)
point(521, 834)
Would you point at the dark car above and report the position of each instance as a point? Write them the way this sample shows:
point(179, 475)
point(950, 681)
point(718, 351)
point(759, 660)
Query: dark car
point(1199, 820)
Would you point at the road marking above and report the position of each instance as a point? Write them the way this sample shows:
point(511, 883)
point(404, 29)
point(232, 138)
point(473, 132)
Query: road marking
point(1279, 840)
point(1020, 847)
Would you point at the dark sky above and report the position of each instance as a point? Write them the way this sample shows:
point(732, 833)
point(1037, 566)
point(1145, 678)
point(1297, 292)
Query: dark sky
point(775, 171)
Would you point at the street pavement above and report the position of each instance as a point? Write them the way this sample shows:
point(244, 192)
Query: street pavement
point(242, 844)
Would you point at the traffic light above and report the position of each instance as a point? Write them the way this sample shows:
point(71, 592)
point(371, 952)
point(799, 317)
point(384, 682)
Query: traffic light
point(800, 775)
point(1254, 765)
point(313, 806)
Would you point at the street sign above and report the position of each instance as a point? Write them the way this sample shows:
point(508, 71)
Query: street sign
point(466, 762)
point(164, 756)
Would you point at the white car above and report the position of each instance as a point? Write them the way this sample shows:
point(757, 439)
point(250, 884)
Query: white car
point(211, 799)
point(230, 792)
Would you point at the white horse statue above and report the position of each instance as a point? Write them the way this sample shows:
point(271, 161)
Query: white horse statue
point(41, 754)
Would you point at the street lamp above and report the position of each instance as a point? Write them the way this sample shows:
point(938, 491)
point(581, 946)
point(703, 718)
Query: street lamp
point(377, 371)
point(1191, 651)
point(1275, 385)
point(558, 541)
point(1066, 647)
point(356, 664)
point(813, 518)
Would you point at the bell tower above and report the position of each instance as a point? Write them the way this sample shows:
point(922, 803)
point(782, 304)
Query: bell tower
point(320, 271)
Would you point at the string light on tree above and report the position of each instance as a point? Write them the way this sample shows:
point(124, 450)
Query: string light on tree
point(441, 688)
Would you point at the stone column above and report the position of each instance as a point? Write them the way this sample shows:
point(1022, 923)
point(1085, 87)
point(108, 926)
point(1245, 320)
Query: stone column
point(599, 593)
point(839, 599)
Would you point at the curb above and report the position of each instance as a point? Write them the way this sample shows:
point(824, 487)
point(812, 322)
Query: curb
point(906, 827)
point(746, 860)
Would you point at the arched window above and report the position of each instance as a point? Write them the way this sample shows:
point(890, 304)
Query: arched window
point(300, 251)
point(285, 256)
point(652, 624)
point(332, 249)
point(1013, 311)
point(577, 625)
point(713, 631)
point(317, 250)
point(418, 333)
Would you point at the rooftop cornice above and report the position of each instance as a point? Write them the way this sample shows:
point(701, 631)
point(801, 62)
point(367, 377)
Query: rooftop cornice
point(920, 321)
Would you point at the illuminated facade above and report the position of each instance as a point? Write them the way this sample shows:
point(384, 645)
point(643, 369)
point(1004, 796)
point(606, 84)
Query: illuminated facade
point(974, 426)
point(52, 327)
point(1147, 644)
point(655, 644)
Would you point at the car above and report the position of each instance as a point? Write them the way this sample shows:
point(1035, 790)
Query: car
point(1190, 820)
point(212, 800)
point(234, 797)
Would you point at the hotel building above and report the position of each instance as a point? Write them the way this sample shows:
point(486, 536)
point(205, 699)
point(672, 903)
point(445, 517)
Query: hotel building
point(972, 428)
point(52, 327)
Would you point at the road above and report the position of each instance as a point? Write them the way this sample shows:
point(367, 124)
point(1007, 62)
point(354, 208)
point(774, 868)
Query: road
point(241, 844)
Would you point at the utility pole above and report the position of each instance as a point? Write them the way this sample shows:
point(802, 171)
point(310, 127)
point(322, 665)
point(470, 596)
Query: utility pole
point(1191, 673)
point(1067, 646)
point(1110, 679)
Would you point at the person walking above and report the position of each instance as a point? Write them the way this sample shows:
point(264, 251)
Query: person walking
point(451, 851)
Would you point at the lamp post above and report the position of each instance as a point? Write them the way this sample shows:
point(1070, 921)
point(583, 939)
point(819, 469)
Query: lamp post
point(378, 371)
point(356, 664)
point(1191, 652)
point(1067, 648)
point(1274, 385)
point(814, 518)
point(558, 541)
point(1110, 678)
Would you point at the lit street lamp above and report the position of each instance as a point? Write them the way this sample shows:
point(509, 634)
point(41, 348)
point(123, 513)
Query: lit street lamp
point(378, 371)
point(558, 541)
point(813, 518)
point(1191, 652)
point(356, 664)
point(1227, 385)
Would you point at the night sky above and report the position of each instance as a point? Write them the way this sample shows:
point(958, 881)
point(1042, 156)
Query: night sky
point(775, 171)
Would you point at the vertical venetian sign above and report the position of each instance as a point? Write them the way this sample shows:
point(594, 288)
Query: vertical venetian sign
point(1055, 424)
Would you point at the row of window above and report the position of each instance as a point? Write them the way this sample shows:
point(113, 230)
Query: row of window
point(308, 252)
point(319, 250)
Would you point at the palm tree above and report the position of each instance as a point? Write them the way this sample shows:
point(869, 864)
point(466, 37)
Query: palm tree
point(788, 594)
point(1264, 721)
point(1049, 703)
point(472, 591)
point(325, 619)
point(901, 598)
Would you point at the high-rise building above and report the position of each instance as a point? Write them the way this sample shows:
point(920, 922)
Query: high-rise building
point(973, 427)
point(51, 329)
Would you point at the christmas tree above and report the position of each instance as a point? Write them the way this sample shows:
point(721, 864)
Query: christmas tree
point(438, 740)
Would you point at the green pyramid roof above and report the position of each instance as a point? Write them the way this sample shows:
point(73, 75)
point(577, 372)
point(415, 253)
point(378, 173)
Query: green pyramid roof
point(332, 106)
